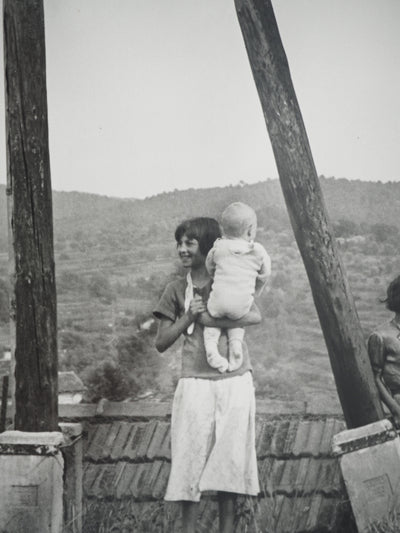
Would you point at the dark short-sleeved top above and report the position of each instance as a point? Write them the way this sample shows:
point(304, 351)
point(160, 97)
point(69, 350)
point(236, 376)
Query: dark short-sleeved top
point(384, 353)
point(194, 360)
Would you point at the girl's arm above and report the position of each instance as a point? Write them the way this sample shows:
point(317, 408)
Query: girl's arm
point(169, 331)
point(387, 398)
point(376, 352)
point(252, 318)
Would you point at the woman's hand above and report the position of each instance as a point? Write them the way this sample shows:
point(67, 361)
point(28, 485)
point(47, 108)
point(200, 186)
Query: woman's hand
point(169, 330)
point(196, 307)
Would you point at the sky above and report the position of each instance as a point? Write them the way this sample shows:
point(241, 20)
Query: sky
point(147, 96)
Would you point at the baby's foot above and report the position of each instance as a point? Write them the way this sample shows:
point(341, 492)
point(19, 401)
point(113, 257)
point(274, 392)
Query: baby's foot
point(215, 360)
point(235, 355)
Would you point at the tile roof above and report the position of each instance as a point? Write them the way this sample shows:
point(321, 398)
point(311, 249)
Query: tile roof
point(127, 463)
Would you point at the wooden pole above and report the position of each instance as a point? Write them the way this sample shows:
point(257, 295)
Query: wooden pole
point(308, 215)
point(28, 184)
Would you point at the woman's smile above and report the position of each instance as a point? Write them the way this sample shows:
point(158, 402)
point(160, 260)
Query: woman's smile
point(189, 252)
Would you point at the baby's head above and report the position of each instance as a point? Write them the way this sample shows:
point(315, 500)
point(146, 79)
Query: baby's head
point(239, 221)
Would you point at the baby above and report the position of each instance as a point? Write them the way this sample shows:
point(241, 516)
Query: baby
point(240, 268)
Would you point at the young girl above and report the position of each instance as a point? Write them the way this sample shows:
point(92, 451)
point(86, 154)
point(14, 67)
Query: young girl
point(384, 353)
point(212, 424)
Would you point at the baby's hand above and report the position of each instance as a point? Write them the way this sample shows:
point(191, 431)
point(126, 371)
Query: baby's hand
point(197, 306)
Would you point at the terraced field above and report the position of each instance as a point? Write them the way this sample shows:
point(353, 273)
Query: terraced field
point(288, 350)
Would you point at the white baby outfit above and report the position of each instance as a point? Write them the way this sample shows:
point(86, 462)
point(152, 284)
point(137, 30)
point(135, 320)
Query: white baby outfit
point(240, 270)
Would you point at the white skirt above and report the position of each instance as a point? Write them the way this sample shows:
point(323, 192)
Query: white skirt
point(213, 438)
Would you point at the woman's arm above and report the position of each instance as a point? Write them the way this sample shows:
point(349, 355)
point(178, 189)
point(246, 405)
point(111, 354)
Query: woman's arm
point(169, 331)
point(252, 318)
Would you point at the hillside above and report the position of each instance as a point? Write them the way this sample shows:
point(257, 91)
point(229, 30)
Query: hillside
point(91, 215)
point(114, 256)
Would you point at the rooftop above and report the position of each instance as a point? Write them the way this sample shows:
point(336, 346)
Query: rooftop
point(127, 463)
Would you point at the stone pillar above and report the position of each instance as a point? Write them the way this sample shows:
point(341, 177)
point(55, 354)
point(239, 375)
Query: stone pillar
point(369, 459)
point(31, 482)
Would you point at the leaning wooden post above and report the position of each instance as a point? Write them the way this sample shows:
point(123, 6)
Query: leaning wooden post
point(308, 215)
point(29, 189)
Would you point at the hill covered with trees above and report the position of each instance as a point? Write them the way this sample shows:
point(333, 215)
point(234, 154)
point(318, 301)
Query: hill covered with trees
point(114, 256)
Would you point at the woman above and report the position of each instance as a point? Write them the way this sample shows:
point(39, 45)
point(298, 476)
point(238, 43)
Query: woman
point(384, 353)
point(212, 423)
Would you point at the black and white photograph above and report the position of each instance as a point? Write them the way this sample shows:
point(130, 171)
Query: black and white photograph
point(200, 266)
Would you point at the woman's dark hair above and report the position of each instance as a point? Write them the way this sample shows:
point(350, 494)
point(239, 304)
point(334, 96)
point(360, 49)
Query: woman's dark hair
point(393, 295)
point(204, 229)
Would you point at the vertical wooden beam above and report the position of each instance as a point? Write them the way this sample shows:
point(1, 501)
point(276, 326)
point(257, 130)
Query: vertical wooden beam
point(28, 184)
point(308, 214)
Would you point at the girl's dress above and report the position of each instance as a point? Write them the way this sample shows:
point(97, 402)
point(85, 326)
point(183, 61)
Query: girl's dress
point(213, 415)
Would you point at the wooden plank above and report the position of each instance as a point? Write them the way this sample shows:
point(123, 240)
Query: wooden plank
point(308, 214)
point(28, 182)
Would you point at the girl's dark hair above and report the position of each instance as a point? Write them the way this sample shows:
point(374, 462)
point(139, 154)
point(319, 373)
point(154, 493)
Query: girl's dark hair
point(393, 295)
point(205, 230)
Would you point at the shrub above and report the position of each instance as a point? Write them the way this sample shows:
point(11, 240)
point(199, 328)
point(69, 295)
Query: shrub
point(109, 380)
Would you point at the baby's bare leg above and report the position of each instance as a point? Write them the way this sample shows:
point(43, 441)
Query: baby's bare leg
point(214, 358)
point(235, 336)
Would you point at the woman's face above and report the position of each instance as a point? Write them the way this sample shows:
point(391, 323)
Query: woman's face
point(189, 252)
